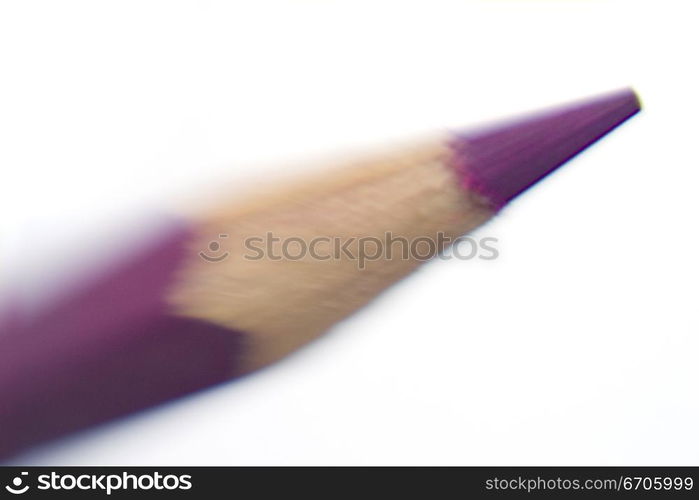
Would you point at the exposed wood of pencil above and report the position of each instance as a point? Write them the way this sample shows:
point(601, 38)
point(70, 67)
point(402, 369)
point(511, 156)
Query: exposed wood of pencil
point(282, 304)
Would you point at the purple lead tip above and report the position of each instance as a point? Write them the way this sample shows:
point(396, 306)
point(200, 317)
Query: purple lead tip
point(502, 161)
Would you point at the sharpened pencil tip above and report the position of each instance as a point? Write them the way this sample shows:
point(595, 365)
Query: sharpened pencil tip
point(502, 161)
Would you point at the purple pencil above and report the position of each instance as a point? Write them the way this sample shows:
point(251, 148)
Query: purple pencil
point(205, 301)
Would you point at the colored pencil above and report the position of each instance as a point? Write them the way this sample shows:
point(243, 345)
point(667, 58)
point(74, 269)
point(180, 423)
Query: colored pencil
point(202, 303)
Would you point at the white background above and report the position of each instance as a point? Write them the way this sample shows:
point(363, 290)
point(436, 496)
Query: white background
point(577, 346)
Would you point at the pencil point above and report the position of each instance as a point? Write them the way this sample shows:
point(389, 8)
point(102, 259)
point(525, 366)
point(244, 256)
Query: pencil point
point(502, 161)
